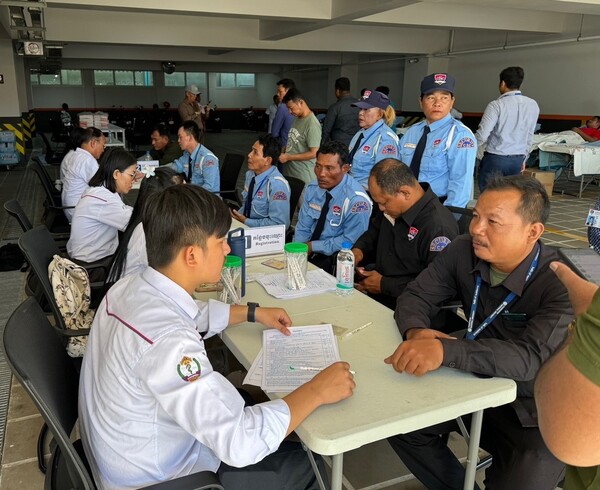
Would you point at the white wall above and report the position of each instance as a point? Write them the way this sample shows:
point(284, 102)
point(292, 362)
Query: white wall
point(389, 73)
point(564, 78)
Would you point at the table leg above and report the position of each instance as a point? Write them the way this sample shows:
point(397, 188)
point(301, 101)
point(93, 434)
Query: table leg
point(337, 467)
point(473, 451)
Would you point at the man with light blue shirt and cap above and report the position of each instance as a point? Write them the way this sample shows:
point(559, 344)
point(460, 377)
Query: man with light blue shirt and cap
point(336, 208)
point(506, 128)
point(441, 150)
point(375, 140)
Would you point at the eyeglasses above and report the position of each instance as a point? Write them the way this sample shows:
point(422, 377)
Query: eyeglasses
point(133, 175)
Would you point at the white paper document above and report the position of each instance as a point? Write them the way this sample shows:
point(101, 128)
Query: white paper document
point(284, 357)
point(317, 282)
point(254, 376)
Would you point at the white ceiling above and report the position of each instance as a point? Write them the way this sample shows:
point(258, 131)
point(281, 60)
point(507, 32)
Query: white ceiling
point(305, 31)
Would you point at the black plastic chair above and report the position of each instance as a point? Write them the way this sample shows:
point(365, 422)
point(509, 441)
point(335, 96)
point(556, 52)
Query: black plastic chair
point(14, 209)
point(40, 363)
point(54, 216)
point(229, 173)
point(466, 215)
point(296, 188)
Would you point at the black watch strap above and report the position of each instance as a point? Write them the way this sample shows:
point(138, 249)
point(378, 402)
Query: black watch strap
point(252, 311)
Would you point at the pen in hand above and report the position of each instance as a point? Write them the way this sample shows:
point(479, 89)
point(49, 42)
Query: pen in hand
point(310, 368)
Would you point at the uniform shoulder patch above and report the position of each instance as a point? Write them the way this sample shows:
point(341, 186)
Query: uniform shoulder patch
point(210, 163)
point(279, 196)
point(360, 207)
point(188, 369)
point(466, 143)
point(389, 150)
point(438, 244)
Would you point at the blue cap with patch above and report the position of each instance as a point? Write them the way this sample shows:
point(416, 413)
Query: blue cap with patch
point(437, 81)
point(372, 99)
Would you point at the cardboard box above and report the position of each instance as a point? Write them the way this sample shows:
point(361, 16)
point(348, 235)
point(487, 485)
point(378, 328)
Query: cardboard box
point(546, 178)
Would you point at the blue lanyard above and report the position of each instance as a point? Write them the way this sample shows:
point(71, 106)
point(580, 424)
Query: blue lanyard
point(472, 335)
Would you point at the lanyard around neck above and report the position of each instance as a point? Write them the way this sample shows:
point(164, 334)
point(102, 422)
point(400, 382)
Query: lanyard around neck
point(472, 335)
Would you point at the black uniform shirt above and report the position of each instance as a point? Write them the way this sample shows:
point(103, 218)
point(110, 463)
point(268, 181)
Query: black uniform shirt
point(518, 341)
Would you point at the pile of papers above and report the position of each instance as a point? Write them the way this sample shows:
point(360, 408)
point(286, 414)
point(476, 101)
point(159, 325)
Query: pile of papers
point(317, 282)
point(287, 362)
point(98, 120)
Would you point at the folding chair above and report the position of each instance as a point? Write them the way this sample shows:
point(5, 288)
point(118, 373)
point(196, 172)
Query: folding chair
point(230, 170)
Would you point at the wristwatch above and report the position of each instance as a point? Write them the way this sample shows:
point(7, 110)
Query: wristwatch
point(252, 311)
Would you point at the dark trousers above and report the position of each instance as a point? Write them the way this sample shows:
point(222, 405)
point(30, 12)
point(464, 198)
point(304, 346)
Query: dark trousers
point(521, 460)
point(498, 164)
point(286, 469)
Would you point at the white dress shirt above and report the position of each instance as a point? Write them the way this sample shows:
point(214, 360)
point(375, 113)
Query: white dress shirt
point(137, 257)
point(75, 175)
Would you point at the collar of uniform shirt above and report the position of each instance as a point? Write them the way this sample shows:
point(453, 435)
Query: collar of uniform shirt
point(512, 92)
point(441, 123)
point(409, 216)
point(336, 192)
point(194, 154)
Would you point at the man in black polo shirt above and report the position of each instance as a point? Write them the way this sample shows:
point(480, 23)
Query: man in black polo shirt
point(504, 255)
point(402, 240)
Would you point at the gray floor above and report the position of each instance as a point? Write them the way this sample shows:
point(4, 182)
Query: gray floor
point(20, 421)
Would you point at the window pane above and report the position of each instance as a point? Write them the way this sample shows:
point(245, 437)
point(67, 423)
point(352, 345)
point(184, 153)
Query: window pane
point(34, 79)
point(103, 77)
point(226, 80)
point(196, 78)
point(71, 77)
point(124, 77)
point(49, 79)
point(245, 79)
point(175, 80)
point(144, 78)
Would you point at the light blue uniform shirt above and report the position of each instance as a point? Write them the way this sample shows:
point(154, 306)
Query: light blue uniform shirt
point(448, 161)
point(347, 217)
point(379, 142)
point(271, 200)
point(206, 168)
point(508, 123)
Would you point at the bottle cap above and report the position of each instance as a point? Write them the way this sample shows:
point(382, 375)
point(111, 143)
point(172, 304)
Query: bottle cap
point(347, 245)
point(296, 248)
point(233, 261)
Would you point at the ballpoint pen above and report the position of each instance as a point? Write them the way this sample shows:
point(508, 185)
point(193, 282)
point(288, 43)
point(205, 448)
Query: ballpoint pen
point(310, 368)
point(356, 330)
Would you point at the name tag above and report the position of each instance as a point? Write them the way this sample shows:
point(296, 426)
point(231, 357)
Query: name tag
point(410, 145)
point(314, 206)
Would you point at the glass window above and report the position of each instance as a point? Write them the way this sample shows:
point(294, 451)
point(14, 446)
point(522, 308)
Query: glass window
point(175, 79)
point(71, 77)
point(35, 80)
point(226, 80)
point(245, 79)
point(196, 78)
point(144, 78)
point(124, 77)
point(49, 79)
point(104, 77)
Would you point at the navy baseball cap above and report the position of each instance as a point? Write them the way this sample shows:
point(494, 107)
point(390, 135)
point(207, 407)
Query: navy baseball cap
point(373, 99)
point(437, 81)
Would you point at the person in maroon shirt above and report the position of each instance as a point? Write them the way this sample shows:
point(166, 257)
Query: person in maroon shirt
point(591, 131)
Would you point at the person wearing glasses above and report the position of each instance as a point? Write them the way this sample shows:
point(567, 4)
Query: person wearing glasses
point(336, 208)
point(77, 171)
point(101, 213)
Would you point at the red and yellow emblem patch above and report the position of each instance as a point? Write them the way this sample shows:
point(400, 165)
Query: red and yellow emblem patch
point(188, 369)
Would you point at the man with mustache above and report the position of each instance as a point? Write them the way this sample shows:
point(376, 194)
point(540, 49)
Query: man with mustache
point(519, 321)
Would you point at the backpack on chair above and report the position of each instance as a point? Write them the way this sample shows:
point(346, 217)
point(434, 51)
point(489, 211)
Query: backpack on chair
point(72, 292)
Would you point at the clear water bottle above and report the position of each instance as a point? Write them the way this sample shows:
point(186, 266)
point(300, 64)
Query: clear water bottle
point(146, 158)
point(345, 270)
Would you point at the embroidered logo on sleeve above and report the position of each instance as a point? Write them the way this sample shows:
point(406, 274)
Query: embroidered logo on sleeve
point(438, 244)
point(188, 369)
point(209, 163)
point(360, 207)
point(279, 196)
point(466, 143)
point(259, 194)
point(389, 150)
point(366, 148)
point(412, 233)
point(336, 210)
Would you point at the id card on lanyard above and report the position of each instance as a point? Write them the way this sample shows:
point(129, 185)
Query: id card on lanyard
point(472, 334)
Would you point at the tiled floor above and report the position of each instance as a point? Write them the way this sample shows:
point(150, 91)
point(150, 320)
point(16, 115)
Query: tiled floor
point(363, 467)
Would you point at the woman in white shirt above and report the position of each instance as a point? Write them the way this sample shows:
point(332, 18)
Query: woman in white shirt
point(131, 257)
point(101, 213)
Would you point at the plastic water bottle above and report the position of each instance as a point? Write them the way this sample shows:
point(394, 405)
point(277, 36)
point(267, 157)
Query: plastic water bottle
point(146, 158)
point(345, 270)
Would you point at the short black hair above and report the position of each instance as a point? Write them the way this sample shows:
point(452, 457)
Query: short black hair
point(162, 130)
point(512, 76)
point(286, 83)
point(293, 95)
point(112, 159)
point(75, 138)
point(535, 205)
point(180, 216)
point(65, 106)
point(391, 174)
point(342, 84)
point(191, 128)
point(271, 147)
point(335, 148)
point(383, 89)
point(90, 134)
